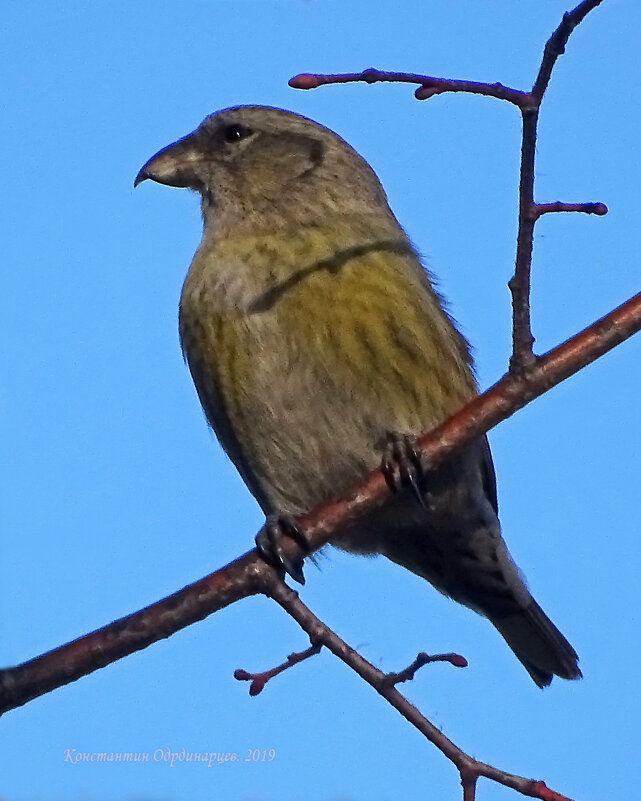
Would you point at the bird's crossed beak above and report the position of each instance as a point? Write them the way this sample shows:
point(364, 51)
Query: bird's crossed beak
point(175, 165)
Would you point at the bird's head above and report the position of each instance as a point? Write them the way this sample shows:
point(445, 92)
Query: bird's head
point(255, 163)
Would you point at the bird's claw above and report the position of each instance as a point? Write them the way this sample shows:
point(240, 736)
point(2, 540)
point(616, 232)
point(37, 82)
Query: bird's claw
point(401, 465)
point(269, 544)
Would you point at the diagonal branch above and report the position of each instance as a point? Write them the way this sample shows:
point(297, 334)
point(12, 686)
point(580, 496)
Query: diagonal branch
point(555, 45)
point(249, 575)
point(469, 768)
point(259, 680)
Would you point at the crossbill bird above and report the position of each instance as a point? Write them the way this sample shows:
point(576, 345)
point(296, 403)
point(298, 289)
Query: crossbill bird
point(319, 346)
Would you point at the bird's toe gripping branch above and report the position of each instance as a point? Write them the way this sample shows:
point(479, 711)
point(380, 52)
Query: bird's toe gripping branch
point(402, 466)
point(269, 542)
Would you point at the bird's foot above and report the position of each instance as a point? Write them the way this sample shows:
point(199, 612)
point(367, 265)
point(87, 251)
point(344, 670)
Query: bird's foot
point(269, 543)
point(401, 465)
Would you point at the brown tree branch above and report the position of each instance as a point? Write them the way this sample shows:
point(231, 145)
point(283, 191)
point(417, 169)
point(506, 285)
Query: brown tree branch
point(555, 45)
point(428, 84)
point(529, 212)
point(249, 575)
point(519, 284)
point(469, 769)
point(584, 208)
point(259, 680)
point(422, 659)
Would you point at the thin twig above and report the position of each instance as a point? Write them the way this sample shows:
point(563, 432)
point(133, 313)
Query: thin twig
point(522, 338)
point(259, 680)
point(422, 659)
point(555, 45)
point(520, 283)
point(428, 84)
point(583, 208)
point(470, 769)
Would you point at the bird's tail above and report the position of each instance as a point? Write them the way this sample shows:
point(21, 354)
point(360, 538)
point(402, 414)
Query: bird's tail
point(538, 644)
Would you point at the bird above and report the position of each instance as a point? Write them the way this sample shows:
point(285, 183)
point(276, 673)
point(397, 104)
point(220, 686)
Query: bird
point(320, 348)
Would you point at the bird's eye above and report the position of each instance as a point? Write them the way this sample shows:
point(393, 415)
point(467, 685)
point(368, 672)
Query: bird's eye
point(234, 133)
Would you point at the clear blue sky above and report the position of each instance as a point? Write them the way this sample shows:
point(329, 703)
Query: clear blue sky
point(114, 493)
